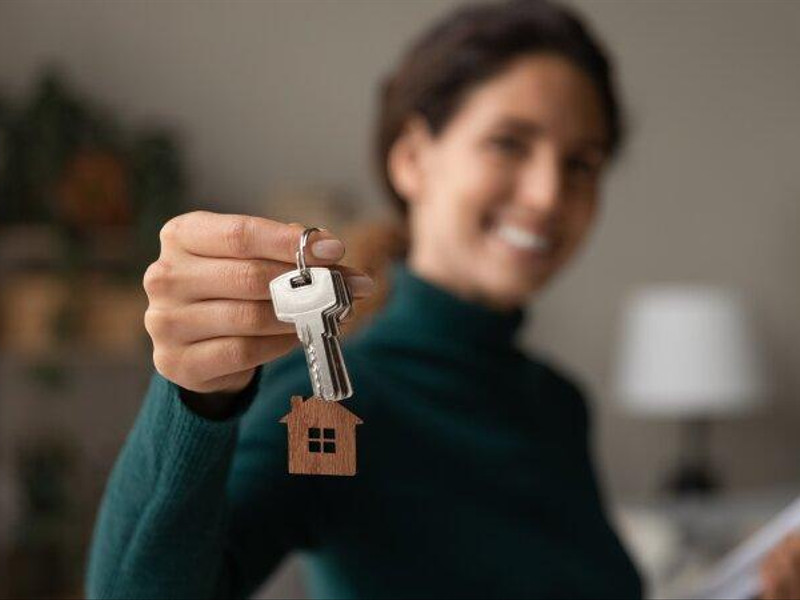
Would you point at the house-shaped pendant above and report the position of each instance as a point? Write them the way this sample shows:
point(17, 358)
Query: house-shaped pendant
point(322, 437)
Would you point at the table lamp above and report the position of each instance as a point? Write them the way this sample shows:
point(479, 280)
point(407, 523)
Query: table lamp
point(688, 352)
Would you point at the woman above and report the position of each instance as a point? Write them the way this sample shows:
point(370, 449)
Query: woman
point(474, 473)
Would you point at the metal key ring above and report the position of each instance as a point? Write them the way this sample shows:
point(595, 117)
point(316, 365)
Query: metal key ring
point(301, 252)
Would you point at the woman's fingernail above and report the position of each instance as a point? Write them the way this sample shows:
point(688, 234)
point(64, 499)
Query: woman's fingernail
point(328, 249)
point(360, 285)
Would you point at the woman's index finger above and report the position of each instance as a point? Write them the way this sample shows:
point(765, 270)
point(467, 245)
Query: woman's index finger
point(240, 236)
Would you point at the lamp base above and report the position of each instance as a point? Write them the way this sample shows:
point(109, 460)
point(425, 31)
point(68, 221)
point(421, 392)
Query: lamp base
point(692, 479)
point(694, 474)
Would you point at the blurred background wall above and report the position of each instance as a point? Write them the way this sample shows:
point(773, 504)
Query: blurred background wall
point(267, 96)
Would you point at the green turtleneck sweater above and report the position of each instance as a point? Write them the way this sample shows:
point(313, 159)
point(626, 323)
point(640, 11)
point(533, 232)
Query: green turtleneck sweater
point(474, 476)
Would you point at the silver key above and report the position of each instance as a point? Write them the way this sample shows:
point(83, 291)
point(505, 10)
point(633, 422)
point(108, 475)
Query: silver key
point(334, 317)
point(315, 308)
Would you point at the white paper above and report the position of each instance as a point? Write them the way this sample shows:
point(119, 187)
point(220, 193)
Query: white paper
point(737, 575)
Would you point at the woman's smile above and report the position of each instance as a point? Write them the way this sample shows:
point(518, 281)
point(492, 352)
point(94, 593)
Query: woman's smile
point(520, 243)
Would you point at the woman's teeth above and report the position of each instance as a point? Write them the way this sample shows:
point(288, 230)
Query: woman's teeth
point(523, 239)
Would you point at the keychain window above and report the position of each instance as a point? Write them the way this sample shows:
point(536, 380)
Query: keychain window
point(322, 440)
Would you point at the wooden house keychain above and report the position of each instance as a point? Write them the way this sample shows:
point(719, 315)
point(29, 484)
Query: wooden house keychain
point(322, 432)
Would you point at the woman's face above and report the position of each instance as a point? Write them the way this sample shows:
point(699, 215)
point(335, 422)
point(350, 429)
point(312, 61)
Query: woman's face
point(504, 196)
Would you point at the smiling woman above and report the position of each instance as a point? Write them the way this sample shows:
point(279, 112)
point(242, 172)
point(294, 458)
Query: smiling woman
point(474, 475)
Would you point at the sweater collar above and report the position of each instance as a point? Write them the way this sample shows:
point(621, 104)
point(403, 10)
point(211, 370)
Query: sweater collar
point(427, 309)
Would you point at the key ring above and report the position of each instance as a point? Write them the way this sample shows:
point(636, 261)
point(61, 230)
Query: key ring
point(301, 252)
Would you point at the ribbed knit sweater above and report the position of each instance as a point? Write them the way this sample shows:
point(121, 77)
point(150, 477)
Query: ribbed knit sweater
point(474, 476)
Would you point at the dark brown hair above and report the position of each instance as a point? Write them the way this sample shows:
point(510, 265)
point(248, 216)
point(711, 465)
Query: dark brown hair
point(470, 45)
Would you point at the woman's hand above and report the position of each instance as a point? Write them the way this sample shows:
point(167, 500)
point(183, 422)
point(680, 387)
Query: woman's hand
point(209, 314)
point(780, 570)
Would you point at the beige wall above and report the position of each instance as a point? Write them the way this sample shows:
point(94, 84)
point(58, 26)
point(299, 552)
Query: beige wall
point(272, 92)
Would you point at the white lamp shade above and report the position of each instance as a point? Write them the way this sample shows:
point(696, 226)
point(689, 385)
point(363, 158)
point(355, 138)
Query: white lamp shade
point(688, 350)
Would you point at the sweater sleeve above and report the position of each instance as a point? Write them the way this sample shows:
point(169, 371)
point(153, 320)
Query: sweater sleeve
point(196, 508)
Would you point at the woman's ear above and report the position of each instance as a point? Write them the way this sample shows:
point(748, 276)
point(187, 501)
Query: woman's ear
point(407, 160)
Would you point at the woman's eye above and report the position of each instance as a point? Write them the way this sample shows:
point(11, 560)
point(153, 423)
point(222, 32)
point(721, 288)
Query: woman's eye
point(509, 145)
point(581, 166)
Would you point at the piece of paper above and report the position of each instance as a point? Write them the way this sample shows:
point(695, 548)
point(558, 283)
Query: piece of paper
point(737, 575)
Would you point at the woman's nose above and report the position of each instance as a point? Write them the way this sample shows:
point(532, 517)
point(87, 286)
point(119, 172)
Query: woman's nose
point(542, 184)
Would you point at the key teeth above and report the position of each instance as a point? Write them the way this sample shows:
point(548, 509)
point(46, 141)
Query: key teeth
point(311, 353)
